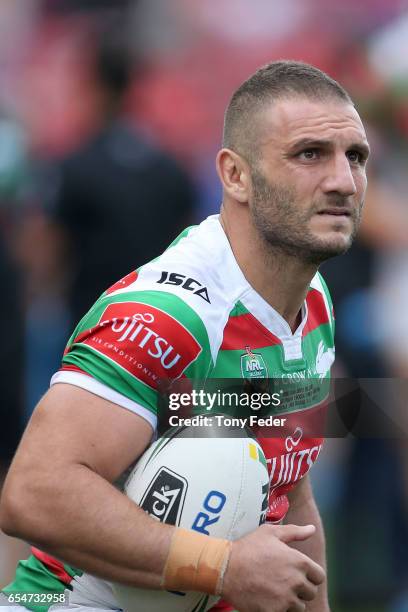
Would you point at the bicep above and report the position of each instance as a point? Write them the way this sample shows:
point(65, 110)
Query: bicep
point(73, 426)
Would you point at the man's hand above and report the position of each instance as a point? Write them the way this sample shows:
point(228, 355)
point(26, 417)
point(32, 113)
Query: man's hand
point(59, 497)
point(303, 511)
point(264, 574)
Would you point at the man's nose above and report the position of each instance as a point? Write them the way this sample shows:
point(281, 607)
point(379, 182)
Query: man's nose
point(340, 177)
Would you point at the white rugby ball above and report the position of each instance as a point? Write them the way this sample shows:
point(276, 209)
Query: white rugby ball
point(215, 486)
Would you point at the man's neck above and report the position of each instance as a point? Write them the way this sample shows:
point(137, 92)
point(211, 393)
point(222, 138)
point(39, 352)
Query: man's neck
point(282, 280)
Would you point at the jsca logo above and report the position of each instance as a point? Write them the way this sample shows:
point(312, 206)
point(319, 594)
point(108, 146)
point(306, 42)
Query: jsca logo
point(213, 504)
point(165, 496)
point(190, 284)
point(253, 365)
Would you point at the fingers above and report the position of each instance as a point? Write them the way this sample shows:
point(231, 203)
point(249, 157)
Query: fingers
point(296, 533)
point(298, 606)
point(293, 583)
point(307, 591)
point(293, 533)
point(314, 572)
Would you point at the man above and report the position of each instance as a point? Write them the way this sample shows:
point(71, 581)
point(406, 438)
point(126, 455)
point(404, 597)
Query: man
point(99, 208)
point(104, 198)
point(244, 284)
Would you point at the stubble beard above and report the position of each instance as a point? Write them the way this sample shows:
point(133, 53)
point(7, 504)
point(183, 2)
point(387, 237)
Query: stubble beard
point(284, 228)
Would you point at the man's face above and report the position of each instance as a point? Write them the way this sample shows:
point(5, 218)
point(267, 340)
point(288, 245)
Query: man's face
point(309, 180)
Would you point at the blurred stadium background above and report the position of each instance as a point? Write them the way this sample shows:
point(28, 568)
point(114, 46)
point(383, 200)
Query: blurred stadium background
point(72, 91)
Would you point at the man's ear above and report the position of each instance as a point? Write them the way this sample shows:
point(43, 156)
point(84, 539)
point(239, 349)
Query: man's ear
point(234, 173)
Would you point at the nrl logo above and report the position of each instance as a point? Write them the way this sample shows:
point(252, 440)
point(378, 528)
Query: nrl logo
point(253, 365)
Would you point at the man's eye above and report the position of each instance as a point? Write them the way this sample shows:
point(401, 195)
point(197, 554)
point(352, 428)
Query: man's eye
point(309, 154)
point(355, 157)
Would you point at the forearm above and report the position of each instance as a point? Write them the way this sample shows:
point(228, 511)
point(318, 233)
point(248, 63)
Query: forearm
point(303, 511)
point(82, 519)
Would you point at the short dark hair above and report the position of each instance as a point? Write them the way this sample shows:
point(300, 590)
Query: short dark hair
point(283, 78)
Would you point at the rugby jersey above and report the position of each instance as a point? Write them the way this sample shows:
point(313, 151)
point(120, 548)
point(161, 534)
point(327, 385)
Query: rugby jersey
point(191, 315)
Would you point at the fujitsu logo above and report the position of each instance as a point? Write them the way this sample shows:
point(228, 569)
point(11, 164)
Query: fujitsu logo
point(141, 339)
point(292, 441)
point(289, 468)
point(135, 329)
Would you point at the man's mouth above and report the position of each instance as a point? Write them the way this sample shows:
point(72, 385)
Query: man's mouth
point(335, 212)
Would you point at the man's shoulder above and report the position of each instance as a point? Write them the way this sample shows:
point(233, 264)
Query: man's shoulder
point(191, 281)
point(185, 295)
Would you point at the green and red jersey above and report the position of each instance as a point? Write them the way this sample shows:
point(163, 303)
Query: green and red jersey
point(192, 314)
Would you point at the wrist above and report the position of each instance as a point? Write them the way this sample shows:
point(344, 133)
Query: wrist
point(196, 563)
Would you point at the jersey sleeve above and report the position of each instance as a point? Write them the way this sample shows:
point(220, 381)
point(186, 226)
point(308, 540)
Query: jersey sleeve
point(131, 342)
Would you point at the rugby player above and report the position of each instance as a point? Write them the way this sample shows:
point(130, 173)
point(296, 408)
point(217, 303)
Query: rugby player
point(241, 288)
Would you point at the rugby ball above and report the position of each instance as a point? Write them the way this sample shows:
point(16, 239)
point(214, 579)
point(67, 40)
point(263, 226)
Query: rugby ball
point(217, 486)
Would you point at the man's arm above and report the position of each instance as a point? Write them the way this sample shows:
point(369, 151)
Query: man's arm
point(303, 511)
point(58, 495)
